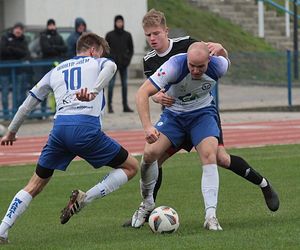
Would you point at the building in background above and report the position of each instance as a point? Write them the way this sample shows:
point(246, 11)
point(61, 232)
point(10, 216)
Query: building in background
point(97, 14)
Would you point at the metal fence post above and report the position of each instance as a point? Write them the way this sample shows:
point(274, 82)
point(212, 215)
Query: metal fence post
point(261, 28)
point(287, 19)
point(14, 90)
point(289, 76)
point(296, 52)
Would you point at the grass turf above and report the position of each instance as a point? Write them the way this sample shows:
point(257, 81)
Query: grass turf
point(246, 221)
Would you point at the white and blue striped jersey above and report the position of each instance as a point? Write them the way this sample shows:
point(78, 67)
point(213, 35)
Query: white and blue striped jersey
point(190, 94)
point(68, 78)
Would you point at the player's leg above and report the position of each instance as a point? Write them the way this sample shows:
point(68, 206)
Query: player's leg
point(239, 166)
point(207, 150)
point(166, 155)
point(160, 161)
point(149, 176)
point(124, 78)
point(111, 86)
point(111, 182)
point(204, 133)
point(103, 151)
point(123, 171)
point(22, 199)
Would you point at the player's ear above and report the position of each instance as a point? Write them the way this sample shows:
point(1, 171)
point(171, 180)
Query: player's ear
point(91, 51)
point(102, 52)
point(167, 31)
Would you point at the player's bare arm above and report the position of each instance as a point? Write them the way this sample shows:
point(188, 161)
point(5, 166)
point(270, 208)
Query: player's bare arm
point(164, 99)
point(142, 104)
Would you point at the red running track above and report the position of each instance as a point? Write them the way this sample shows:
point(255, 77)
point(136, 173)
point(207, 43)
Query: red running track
point(237, 135)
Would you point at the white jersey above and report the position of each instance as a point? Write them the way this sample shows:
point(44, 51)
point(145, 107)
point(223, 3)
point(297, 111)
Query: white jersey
point(190, 94)
point(68, 78)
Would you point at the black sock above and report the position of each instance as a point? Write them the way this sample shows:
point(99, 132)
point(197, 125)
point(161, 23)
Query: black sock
point(158, 183)
point(239, 166)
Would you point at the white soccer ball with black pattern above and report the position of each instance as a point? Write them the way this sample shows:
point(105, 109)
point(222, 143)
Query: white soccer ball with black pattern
point(164, 219)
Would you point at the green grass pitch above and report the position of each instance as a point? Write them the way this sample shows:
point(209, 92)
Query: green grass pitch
point(246, 221)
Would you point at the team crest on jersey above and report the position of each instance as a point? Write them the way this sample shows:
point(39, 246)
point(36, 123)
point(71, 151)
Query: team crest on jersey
point(161, 73)
point(206, 86)
point(159, 123)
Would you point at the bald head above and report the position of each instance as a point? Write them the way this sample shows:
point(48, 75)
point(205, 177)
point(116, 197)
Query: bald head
point(197, 59)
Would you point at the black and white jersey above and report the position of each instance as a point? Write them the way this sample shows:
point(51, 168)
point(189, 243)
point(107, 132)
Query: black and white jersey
point(152, 61)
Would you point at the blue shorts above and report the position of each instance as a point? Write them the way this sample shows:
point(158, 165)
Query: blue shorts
point(65, 142)
point(195, 125)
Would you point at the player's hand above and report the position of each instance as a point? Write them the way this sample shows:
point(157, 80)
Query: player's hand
point(215, 49)
point(8, 139)
point(84, 96)
point(164, 99)
point(151, 134)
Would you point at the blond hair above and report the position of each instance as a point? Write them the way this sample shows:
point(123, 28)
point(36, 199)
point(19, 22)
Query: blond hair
point(154, 18)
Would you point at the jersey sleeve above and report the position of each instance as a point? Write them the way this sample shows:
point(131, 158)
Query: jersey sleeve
point(166, 74)
point(107, 69)
point(42, 88)
point(191, 41)
point(147, 69)
point(217, 67)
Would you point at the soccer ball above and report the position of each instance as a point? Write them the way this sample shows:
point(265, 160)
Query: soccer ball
point(164, 219)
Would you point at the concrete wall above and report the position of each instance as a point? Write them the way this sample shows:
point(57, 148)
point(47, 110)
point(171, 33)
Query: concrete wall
point(1, 15)
point(98, 14)
point(13, 12)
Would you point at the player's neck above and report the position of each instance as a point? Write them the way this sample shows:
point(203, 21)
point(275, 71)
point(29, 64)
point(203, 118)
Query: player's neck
point(164, 48)
point(83, 54)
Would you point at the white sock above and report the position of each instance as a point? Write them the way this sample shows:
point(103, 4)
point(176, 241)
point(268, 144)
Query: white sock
point(210, 188)
point(110, 183)
point(149, 175)
point(263, 183)
point(17, 206)
point(4, 229)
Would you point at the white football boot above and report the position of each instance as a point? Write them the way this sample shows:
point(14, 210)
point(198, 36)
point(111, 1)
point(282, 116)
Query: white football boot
point(212, 224)
point(141, 214)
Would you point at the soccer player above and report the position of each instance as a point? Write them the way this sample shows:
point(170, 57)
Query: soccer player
point(156, 32)
point(189, 78)
point(76, 130)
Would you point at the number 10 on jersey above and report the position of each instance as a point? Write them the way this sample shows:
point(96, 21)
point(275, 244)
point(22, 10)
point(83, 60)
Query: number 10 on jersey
point(72, 78)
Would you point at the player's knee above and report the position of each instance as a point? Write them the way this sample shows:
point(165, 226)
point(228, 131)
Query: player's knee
point(131, 165)
point(223, 159)
point(150, 155)
point(209, 157)
point(134, 166)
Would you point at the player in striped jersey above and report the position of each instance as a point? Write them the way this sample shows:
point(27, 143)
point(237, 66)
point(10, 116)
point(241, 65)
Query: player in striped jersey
point(156, 32)
point(76, 130)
